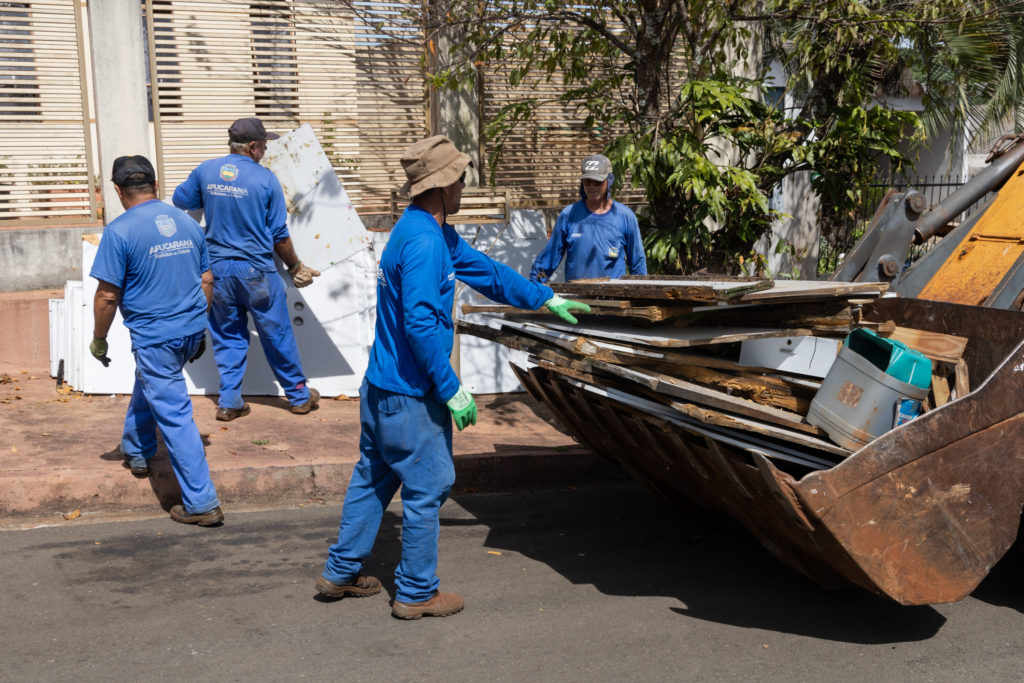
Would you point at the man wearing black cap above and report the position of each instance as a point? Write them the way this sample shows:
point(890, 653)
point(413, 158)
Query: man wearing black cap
point(246, 223)
point(153, 261)
point(598, 236)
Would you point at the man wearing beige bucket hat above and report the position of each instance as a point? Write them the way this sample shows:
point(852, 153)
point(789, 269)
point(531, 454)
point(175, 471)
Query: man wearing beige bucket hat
point(411, 394)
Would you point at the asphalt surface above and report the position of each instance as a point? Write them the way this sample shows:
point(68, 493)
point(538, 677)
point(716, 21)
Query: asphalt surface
point(604, 583)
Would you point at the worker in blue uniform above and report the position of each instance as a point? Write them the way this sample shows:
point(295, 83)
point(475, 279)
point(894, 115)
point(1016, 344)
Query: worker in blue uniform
point(246, 224)
point(410, 394)
point(598, 236)
point(153, 262)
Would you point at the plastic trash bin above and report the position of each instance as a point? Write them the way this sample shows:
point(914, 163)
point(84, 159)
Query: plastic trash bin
point(867, 390)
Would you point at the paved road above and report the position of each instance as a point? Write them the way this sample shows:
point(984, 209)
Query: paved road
point(597, 584)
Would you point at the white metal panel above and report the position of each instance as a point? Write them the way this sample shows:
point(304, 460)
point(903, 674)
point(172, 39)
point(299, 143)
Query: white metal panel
point(812, 356)
point(56, 318)
point(324, 226)
point(484, 365)
point(332, 318)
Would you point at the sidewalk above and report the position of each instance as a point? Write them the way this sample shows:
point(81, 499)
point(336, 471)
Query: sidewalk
point(59, 452)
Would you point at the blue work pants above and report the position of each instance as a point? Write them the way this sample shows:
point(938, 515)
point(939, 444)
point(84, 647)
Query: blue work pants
point(238, 291)
point(160, 399)
point(407, 441)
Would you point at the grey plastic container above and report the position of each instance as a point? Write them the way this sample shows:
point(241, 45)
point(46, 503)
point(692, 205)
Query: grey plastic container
point(856, 401)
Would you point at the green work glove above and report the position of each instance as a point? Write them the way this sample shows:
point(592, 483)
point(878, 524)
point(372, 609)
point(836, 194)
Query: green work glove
point(98, 348)
point(463, 408)
point(561, 308)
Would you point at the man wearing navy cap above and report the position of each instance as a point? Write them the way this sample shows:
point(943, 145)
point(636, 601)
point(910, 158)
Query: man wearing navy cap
point(246, 224)
point(153, 262)
point(598, 236)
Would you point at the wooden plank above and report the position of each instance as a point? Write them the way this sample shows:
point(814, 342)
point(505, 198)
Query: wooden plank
point(690, 290)
point(746, 442)
point(936, 346)
point(664, 360)
point(940, 387)
point(695, 393)
point(678, 337)
point(962, 383)
point(769, 391)
point(800, 289)
point(648, 313)
point(720, 419)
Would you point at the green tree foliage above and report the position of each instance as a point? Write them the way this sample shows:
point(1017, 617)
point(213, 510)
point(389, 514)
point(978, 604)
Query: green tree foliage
point(674, 86)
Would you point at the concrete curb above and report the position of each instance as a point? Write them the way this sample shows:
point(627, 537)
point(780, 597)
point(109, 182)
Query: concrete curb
point(60, 453)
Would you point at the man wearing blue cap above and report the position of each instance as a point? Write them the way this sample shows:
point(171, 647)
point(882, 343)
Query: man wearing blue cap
point(598, 236)
point(246, 224)
point(152, 260)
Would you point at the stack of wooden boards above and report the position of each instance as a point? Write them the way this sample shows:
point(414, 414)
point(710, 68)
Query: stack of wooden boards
point(670, 346)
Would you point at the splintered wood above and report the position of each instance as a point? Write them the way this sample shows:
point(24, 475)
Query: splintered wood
point(669, 347)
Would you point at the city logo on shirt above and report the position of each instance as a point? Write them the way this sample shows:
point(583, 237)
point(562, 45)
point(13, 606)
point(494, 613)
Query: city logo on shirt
point(613, 252)
point(381, 280)
point(228, 172)
point(166, 225)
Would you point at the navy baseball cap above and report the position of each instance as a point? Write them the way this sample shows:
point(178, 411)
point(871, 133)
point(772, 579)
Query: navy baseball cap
point(132, 171)
point(249, 130)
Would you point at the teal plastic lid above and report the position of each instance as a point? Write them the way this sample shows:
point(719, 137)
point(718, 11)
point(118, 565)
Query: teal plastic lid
point(892, 357)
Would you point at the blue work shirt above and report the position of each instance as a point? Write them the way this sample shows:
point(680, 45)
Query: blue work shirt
point(594, 245)
point(415, 295)
point(156, 255)
point(244, 208)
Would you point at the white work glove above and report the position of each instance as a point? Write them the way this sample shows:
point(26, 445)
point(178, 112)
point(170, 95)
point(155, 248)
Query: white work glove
point(302, 275)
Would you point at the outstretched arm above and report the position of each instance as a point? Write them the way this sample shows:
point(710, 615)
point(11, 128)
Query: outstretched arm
point(546, 263)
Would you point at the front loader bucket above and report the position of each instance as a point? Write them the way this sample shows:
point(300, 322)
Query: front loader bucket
point(920, 514)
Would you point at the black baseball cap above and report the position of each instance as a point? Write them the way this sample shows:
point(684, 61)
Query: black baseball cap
point(249, 130)
point(132, 171)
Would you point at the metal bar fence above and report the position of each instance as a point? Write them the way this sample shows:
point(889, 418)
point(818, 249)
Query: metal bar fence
point(935, 188)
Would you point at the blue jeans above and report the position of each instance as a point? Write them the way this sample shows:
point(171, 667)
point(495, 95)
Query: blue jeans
point(238, 291)
point(407, 441)
point(160, 399)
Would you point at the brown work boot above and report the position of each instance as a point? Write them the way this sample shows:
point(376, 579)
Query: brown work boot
point(441, 605)
point(180, 514)
point(359, 587)
point(229, 414)
point(310, 404)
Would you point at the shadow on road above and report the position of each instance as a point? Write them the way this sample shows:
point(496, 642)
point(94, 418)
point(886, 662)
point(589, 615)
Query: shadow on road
point(1003, 586)
point(624, 541)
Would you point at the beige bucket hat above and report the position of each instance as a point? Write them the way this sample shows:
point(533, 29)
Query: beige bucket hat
point(430, 163)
